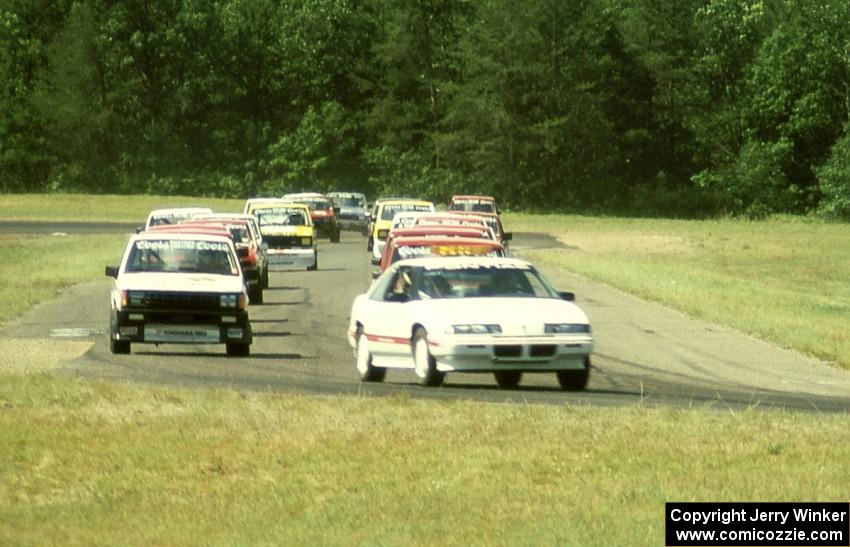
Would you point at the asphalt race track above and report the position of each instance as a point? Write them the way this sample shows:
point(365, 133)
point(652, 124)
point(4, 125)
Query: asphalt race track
point(645, 354)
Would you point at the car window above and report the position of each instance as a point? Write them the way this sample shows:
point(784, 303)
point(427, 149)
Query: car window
point(484, 282)
point(389, 211)
point(282, 216)
point(179, 255)
point(400, 288)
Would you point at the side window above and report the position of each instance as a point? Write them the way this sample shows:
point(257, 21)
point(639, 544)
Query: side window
point(400, 289)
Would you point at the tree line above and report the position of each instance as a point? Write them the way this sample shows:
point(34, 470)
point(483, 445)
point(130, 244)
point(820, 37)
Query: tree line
point(680, 107)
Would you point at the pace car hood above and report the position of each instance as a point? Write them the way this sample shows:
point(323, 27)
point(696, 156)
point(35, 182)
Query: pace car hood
point(516, 315)
point(179, 282)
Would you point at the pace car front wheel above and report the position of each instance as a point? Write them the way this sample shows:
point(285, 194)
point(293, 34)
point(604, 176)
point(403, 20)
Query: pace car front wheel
point(424, 362)
point(575, 380)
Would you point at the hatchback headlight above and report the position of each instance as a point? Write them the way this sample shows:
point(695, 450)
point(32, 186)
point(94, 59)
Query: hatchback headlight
point(382, 234)
point(306, 241)
point(475, 328)
point(229, 300)
point(566, 328)
point(132, 298)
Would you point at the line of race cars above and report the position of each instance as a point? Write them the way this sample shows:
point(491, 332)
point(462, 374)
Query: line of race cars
point(446, 296)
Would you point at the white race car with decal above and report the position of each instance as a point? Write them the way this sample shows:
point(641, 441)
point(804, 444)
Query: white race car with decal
point(183, 288)
point(469, 314)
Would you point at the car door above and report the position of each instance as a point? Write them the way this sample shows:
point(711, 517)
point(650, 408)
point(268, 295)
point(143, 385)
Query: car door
point(387, 317)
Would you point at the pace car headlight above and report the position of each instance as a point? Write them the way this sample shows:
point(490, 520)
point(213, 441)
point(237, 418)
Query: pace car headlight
point(382, 234)
point(475, 328)
point(306, 241)
point(566, 328)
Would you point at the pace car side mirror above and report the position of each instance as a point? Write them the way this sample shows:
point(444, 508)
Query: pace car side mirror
point(376, 274)
point(336, 210)
point(568, 296)
point(111, 271)
point(140, 229)
point(507, 236)
point(376, 261)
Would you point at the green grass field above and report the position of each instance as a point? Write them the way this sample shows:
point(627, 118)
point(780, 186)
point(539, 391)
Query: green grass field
point(86, 462)
point(782, 279)
point(108, 208)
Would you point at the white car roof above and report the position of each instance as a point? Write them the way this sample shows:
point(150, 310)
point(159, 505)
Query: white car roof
point(241, 216)
point(178, 210)
point(304, 195)
point(457, 261)
point(180, 235)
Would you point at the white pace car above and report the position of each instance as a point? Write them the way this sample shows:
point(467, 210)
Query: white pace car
point(469, 314)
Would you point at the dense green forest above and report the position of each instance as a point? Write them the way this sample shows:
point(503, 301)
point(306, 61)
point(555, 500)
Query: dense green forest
point(681, 107)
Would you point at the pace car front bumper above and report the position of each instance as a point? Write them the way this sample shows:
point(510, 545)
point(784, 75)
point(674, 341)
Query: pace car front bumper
point(521, 353)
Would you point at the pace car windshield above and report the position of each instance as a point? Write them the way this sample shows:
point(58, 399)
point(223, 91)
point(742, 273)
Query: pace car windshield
point(481, 282)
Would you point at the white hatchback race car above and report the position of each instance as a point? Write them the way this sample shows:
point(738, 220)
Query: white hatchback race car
point(173, 215)
point(469, 314)
point(182, 288)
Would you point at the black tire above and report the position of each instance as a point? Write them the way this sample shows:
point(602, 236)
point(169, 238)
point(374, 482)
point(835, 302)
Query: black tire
point(508, 379)
point(119, 347)
point(366, 371)
point(427, 371)
point(265, 278)
point(369, 243)
point(255, 293)
point(238, 350)
point(575, 380)
point(315, 265)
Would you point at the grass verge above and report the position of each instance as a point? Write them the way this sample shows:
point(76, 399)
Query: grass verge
point(783, 279)
point(36, 268)
point(102, 208)
point(86, 462)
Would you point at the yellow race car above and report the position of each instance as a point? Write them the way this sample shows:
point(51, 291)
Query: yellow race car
point(382, 220)
point(289, 233)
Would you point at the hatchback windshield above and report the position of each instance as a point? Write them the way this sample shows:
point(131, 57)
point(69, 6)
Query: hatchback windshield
point(476, 205)
point(282, 216)
point(181, 255)
point(351, 202)
point(389, 211)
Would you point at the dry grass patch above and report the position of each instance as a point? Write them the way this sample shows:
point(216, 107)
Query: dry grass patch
point(35, 355)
